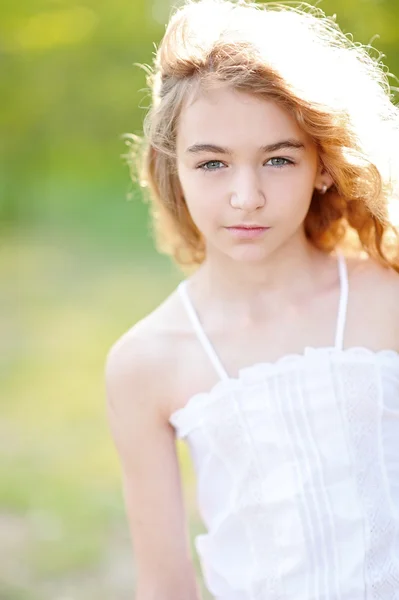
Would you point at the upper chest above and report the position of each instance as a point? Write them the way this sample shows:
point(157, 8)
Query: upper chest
point(366, 325)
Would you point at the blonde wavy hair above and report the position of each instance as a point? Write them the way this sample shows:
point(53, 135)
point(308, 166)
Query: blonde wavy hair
point(336, 89)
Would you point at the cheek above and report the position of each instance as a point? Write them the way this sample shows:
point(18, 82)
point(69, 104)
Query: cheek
point(202, 195)
point(291, 193)
point(203, 208)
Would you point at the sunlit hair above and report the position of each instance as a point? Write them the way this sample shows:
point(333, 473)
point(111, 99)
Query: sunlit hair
point(337, 90)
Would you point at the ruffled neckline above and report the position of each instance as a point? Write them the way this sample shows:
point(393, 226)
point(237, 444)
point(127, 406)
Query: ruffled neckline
point(259, 371)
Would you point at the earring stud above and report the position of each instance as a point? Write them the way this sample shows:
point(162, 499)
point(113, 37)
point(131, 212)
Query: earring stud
point(324, 188)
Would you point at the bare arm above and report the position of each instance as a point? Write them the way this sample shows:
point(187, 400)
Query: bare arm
point(151, 481)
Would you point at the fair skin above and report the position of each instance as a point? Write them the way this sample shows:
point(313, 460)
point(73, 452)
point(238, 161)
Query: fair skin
point(274, 287)
point(246, 181)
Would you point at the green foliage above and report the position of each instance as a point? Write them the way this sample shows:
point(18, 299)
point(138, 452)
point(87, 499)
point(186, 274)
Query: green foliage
point(60, 473)
point(71, 88)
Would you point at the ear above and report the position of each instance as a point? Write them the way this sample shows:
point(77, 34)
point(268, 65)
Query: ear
point(323, 178)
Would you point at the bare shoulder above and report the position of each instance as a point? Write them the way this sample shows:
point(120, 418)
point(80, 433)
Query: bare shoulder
point(374, 292)
point(368, 275)
point(145, 357)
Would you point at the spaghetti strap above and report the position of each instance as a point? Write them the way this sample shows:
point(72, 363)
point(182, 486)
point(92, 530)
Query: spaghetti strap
point(343, 302)
point(209, 349)
point(201, 335)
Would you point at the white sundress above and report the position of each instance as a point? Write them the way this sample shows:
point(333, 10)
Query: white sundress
point(297, 466)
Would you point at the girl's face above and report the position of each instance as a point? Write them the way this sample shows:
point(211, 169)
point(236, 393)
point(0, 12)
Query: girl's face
point(247, 172)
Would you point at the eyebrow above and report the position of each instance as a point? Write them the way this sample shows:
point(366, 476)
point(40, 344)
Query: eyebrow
point(284, 144)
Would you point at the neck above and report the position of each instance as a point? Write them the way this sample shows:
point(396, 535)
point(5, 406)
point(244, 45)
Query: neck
point(284, 277)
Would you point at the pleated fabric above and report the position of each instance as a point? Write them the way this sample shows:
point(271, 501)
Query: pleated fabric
point(298, 478)
point(297, 466)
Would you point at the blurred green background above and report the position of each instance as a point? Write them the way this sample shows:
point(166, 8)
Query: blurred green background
point(77, 270)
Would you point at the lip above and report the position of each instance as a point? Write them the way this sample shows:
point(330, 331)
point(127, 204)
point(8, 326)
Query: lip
point(247, 231)
point(247, 226)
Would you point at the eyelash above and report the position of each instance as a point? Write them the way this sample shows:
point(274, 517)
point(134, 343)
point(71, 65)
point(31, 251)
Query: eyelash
point(286, 163)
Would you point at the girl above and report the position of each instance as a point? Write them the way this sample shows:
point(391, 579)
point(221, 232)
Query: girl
point(270, 150)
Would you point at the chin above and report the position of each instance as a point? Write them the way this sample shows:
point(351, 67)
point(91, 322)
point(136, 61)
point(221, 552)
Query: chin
point(249, 254)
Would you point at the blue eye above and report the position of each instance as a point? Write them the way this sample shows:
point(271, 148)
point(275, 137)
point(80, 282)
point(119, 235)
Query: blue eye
point(279, 161)
point(211, 165)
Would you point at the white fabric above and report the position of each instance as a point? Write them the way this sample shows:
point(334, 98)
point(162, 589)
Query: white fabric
point(297, 467)
point(203, 339)
point(343, 302)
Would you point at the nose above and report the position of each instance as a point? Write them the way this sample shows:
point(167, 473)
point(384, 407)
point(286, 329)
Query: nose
point(247, 193)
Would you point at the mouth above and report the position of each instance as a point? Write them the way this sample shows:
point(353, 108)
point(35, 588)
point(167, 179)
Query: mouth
point(247, 231)
point(248, 227)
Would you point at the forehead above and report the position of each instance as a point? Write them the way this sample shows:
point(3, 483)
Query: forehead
point(232, 118)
